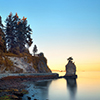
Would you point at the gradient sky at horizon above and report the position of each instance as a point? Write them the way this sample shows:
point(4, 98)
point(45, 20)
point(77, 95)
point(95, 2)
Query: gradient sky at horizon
point(62, 28)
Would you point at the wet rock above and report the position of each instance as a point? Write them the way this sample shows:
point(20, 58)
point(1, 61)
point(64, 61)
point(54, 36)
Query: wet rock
point(18, 94)
point(9, 97)
point(29, 98)
point(14, 97)
point(33, 95)
point(24, 91)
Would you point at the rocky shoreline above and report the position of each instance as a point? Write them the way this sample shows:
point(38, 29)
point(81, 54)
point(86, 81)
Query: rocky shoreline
point(25, 74)
point(12, 87)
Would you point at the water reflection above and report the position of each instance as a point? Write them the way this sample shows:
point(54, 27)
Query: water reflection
point(72, 88)
point(43, 88)
point(37, 90)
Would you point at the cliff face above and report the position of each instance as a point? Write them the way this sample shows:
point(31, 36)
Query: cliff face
point(20, 63)
point(24, 64)
point(40, 64)
point(70, 68)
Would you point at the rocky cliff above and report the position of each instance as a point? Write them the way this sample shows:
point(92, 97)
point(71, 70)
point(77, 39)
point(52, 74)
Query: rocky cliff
point(24, 63)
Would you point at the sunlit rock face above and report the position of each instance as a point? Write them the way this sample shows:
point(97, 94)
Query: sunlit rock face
point(25, 64)
point(38, 66)
point(70, 68)
point(20, 63)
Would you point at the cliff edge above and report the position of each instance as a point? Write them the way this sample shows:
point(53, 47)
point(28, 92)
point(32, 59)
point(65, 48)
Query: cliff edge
point(23, 63)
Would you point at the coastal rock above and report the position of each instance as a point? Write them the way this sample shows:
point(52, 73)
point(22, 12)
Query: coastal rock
point(20, 63)
point(24, 64)
point(70, 67)
point(43, 67)
point(40, 64)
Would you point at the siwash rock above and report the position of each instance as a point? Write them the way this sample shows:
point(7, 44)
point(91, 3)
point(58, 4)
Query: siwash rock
point(70, 67)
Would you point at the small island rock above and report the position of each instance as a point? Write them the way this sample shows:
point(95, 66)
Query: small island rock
point(70, 67)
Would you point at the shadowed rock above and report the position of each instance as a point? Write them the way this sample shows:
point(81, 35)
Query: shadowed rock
point(70, 67)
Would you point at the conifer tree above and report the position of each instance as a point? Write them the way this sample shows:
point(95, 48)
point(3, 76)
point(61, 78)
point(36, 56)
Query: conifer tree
point(23, 34)
point(17, 33)
point(11, 32)
point(35, 49)
point(70, 59)
point(2, 37)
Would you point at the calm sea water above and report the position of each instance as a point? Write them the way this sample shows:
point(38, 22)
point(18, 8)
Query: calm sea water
point(85, 87)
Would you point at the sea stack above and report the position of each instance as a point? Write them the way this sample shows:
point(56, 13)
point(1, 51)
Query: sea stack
point(70, 67)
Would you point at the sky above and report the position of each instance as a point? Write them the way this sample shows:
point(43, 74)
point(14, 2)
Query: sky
point(62, 28)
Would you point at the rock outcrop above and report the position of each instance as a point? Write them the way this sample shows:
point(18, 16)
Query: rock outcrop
point(40, 64)
point(20, 63)
point(24, 64)
point(70, 67)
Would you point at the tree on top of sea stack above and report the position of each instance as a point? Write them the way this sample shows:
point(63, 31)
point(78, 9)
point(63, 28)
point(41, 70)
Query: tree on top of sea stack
point(70, 59)
point(70, 67)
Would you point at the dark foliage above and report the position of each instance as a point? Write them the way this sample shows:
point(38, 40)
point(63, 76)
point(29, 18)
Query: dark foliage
point(17, 34)
point(35, 49)
point(70, 59)
point(2, 37)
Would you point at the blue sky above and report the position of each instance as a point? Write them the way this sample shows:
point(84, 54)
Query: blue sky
point(61, 28)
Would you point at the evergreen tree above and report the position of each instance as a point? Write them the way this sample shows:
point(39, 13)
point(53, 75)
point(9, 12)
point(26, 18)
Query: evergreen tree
point(70, 59)
point(17, 33)
point(2, 37)
point(23, 34)
point(11, 32)
point(35, 49)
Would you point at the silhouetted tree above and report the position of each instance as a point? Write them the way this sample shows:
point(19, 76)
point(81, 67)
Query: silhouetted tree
point(35, 49)
point(70, 59)
point(24, 34)
point(11, 32)
point(2, 37)
point(17, 33)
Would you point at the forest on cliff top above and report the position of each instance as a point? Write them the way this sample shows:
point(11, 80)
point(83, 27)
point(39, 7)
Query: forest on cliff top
point(15, 40)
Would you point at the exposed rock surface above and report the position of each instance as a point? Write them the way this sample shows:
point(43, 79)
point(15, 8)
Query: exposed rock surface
point(20, 63)
point(40, 64)
point(43, 67)
point(25, 64)
point(70, 68)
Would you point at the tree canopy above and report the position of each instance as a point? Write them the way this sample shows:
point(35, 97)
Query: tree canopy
point(35, 49)
point(17, 33)
point(2, 37)
point(70, 59)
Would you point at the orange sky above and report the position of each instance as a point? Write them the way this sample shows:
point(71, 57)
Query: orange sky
point(83, 63)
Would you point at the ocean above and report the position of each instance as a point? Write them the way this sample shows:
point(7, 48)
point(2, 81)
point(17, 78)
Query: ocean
point(85, 87)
